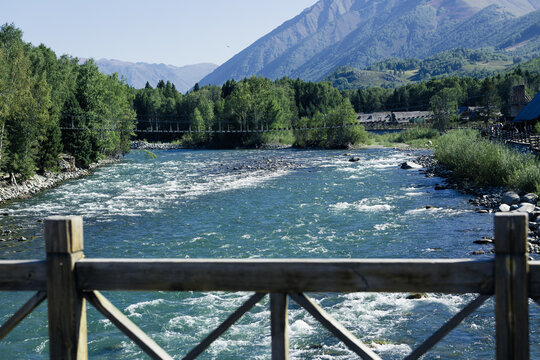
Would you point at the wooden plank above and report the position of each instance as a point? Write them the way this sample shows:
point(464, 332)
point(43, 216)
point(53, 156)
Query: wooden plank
point(510, 231)
point(288, 275)
point(66, 306)
point(511, 287)
point(446, 328)
point(534, 278)
point(335, 327)
point(279, 326)
point(125, 325)
point(68, 230)
point(19, 316)
point(233, 318)
point(23, 275)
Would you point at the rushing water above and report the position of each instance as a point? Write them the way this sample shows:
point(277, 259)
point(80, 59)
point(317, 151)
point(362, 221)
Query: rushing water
point(185, 204)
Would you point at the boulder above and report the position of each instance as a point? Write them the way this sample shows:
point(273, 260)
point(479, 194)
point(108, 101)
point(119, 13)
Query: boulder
point(530, 198)
point(504, 208)
point(354, 159)
point(410, 165)
point(526, 208)
point(67, 163)
point(510, 198)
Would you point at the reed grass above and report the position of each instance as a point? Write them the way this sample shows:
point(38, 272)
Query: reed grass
point(486, 163)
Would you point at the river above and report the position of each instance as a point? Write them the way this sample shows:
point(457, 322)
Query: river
point(236, 204)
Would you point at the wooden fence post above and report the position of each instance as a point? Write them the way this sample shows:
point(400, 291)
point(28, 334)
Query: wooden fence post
point(66, 306)
point(511, 286)
point(279, 326)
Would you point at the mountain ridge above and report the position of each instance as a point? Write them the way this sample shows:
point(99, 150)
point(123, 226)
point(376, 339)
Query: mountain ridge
point(138, 73)
point(356, 33)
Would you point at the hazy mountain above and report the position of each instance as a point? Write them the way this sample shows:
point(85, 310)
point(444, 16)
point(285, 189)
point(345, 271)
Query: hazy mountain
point(334, 33)
point(137, 74)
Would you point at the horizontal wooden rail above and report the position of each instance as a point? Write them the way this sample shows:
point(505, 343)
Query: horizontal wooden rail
point(20, 275)
point(66, 279)
point(330, 275)
point(354, 275)
point(287, 275)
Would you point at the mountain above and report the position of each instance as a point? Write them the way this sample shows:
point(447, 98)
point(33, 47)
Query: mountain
point(137, 74)
point(334, 33)
point(394, 72)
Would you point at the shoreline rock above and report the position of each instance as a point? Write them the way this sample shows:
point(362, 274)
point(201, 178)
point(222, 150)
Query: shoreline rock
point(492, 199)
point(40, 182)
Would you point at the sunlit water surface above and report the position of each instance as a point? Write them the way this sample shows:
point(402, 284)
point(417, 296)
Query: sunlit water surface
point(185, 204)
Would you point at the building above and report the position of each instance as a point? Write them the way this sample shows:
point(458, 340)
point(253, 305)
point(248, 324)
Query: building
point(530, 114)
point(411, 117)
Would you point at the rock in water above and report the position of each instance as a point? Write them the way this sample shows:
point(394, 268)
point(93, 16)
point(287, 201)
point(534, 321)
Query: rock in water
point(354, 159)
point(410, 165)
point(510, 198)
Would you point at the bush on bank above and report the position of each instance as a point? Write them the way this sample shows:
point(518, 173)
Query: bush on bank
point(487, 164)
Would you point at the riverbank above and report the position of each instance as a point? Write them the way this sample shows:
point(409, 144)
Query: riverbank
point(49, 180)
point(488, 200)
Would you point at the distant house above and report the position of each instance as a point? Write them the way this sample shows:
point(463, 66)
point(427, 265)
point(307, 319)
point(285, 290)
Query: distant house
point(411, 117)
point(378, 117)
point(394, 117)
point(530, 113)
point(518, 100)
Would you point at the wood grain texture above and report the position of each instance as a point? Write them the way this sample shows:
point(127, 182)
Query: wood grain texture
point(288, 275)
point(510, 230)
point(66, 306)
point(67, 232)
point(279, 325)
point(511, 287)
point(23, 275)
point(127, 326)
point(23, 312)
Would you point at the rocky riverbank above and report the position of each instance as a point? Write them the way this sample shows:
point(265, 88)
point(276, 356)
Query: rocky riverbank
point(143, 145)
point(488, 200)
point(11, 191)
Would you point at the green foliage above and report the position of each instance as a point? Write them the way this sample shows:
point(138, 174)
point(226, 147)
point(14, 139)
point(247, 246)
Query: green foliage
point(417, 134)
point(149, 155)
point(444, 108)
point(486, 163)
point(40, 93)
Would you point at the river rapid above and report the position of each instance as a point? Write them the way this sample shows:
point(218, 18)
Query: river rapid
point(261, 204)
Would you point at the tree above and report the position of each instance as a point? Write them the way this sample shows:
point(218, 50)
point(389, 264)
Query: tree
point(444, 108)
point(490, 103)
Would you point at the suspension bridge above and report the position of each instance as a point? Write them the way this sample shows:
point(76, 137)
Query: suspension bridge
point(184, 127)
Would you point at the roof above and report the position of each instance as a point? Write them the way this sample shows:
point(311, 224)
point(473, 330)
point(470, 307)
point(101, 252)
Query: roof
point(531, 111)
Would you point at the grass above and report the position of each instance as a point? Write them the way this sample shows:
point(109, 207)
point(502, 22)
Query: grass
point(486, 163)
point(415, 137)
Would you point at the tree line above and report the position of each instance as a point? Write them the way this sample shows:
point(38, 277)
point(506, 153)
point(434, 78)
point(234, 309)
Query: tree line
point(40, 94)
point(241, 107)
point(464, 91)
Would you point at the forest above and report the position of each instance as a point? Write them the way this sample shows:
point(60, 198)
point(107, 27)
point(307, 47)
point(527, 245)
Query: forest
point(40, 94)
point(254, 103)
point(51, 105)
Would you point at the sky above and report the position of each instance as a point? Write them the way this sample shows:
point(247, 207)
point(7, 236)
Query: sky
point(181, 32)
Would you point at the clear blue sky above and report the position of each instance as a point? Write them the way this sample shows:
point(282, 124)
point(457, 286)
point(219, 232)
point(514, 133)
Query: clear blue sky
point(180, 32)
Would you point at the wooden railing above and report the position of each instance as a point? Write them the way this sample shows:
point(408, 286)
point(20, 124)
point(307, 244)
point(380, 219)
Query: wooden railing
point(525, 138)
point(67, 280)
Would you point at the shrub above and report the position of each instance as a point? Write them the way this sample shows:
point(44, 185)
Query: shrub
point(487, 163)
